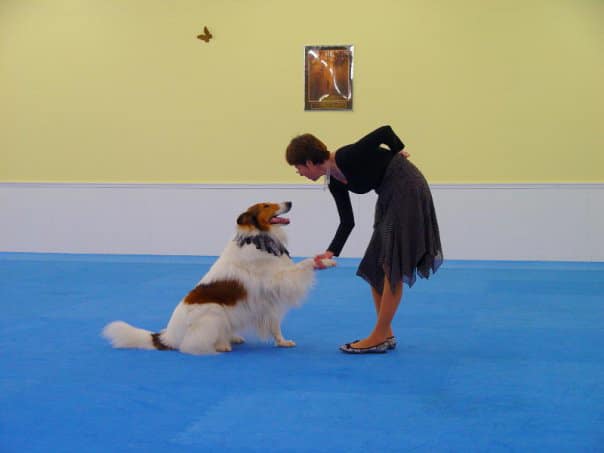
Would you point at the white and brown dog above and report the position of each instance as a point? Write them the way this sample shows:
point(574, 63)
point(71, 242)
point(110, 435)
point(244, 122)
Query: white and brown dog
point(251, 285)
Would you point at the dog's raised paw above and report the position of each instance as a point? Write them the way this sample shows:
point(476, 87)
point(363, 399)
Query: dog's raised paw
point(327, 262)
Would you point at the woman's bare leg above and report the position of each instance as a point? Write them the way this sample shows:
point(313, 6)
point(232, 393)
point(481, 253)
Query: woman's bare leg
point(388, 304)
point(377, 301)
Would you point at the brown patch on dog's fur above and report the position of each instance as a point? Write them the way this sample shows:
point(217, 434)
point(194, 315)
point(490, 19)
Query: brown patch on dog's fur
point(258, 216)
point(223, 292)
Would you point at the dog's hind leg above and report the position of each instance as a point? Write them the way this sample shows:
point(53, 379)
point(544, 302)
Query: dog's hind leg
point(208, 331)
point(177, 326)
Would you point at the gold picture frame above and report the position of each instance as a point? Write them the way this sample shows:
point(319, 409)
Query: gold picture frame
point(328, 76)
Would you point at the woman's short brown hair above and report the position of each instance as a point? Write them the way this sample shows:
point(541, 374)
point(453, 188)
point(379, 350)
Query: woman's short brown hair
point(306, 147)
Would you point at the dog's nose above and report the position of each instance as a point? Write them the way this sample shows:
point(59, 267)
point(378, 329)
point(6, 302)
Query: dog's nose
point(288, 205)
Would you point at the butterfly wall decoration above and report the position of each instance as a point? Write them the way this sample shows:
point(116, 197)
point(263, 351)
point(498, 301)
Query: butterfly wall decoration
point(206, 35)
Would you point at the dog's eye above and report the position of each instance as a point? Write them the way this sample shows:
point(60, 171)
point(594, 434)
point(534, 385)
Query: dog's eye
point(265, 206)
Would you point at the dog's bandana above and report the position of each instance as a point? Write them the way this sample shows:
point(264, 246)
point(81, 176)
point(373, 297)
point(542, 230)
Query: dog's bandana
point(262, 242)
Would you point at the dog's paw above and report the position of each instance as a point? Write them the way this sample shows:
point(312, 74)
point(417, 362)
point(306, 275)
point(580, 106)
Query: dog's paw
point(327, 262)
point(307, 263)
point(236, 339)
point(286, 343)
point(223, 348)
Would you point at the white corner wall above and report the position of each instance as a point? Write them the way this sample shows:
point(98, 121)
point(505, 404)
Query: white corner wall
point(551, 222)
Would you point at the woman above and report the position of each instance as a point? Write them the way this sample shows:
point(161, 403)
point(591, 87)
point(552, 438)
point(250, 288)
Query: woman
point(405, 239)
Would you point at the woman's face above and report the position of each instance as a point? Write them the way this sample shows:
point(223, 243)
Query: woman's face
point(310, 170)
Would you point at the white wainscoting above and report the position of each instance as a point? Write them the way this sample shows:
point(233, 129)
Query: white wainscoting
point(551, 222)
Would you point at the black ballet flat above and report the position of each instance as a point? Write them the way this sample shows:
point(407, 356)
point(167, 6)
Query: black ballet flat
point(377, 349)
point(391, 341)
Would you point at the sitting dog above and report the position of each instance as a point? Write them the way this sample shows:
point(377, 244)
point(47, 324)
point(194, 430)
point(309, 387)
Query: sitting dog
point(251, 285)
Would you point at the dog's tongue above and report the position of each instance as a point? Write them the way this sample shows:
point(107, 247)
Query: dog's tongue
point(280, 220)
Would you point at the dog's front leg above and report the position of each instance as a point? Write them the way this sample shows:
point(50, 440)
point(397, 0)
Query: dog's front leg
point(275, 326)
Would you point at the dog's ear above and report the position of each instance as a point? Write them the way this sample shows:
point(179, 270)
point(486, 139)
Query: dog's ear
point(243, 219)
point(247, 219)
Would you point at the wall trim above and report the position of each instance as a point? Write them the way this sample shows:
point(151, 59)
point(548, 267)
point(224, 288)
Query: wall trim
point(516, 221)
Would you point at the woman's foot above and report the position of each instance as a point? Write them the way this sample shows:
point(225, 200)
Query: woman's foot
point(391, 342)
point(368, 342)
point(379, 348)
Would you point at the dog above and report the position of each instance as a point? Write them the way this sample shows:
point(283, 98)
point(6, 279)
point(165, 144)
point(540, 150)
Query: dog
point(251, 285)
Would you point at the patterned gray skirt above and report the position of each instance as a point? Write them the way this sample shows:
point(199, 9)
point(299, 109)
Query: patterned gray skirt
point(406, 239)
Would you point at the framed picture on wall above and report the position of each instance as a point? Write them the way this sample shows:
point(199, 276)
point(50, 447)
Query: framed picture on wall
point(328, 73)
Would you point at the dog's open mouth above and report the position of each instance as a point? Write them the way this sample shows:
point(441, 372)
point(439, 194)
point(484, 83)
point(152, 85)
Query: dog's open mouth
point(279, 220)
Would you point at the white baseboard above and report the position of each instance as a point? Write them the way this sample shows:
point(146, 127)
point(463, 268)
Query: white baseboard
point(525, 222)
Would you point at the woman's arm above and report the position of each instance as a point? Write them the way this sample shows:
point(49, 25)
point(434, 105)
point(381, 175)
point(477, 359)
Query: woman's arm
point(383, 136)
point(342, 199)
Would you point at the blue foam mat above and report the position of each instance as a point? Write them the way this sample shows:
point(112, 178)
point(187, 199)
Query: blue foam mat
point(492, 356)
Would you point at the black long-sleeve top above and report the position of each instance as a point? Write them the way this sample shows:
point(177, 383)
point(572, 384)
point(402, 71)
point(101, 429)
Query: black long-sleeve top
point(363, 164)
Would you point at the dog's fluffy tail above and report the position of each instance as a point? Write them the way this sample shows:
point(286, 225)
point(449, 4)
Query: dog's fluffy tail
point(123, 335)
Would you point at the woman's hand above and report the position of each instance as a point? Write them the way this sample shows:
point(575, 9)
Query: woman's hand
point(318, 259)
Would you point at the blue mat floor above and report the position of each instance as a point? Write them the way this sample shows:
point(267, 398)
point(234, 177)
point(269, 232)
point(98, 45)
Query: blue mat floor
point(492, 357)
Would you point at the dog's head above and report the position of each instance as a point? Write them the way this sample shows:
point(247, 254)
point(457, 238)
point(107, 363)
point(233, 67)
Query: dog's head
point(264, 216)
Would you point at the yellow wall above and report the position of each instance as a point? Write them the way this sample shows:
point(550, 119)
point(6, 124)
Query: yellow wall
point(122, 91)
